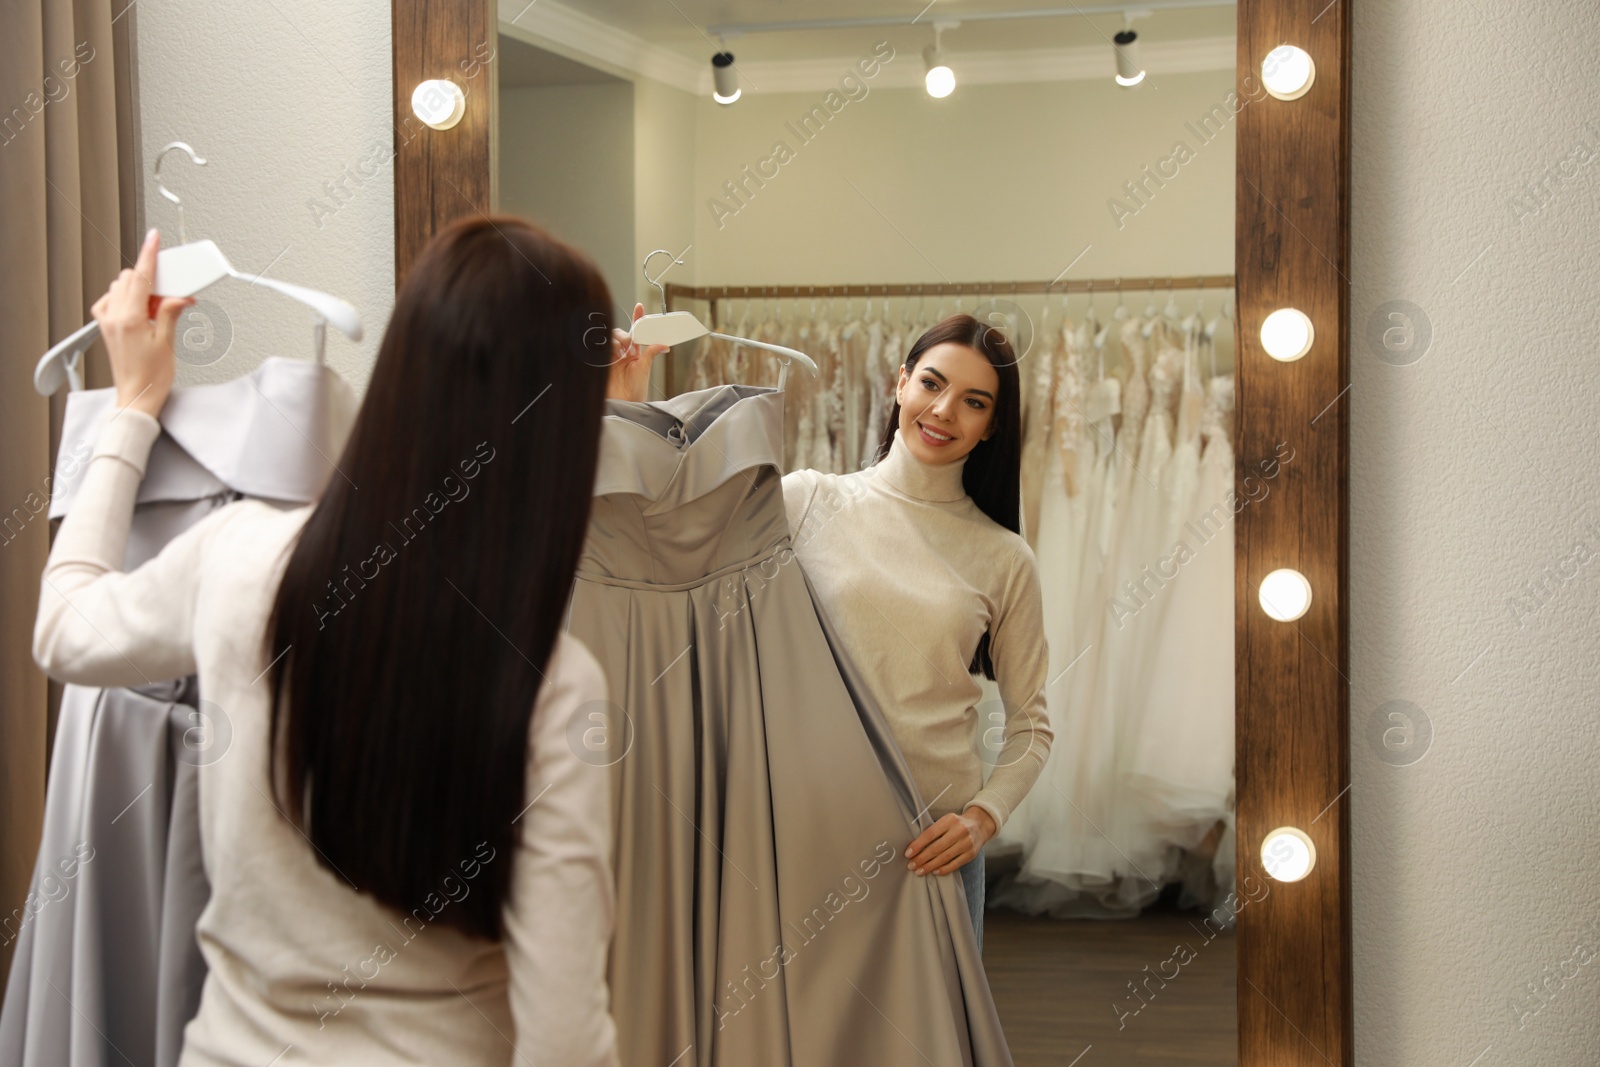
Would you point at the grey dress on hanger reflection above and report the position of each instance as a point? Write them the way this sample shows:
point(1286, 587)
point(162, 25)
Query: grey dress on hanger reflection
point(107, 970)
point(765, 912)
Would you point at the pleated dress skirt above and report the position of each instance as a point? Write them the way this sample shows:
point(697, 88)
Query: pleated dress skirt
point(765, 912)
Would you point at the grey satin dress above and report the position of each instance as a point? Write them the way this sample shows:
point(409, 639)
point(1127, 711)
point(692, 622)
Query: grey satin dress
point(765, 913)
point(107, 970)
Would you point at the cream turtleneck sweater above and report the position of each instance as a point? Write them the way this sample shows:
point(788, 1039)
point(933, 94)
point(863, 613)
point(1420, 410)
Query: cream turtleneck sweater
point(911, 573)
point(296, 956)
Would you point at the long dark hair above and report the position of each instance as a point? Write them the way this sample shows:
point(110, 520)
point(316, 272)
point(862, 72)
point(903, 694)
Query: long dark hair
point(992, 475)
point(420, 606)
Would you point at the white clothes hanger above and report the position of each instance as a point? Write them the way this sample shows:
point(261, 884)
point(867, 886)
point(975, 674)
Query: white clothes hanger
point(1209, 333)
point(744, 317)
point(1094, 332)
point(184, 270)
point(676, 327)
point(1194, 322)
point(1151, 316)
point(1172, 311)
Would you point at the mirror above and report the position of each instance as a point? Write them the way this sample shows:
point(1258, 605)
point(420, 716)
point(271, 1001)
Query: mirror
point(1074, 189)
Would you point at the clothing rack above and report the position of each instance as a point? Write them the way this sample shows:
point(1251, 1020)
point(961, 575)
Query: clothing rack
point(714, 293)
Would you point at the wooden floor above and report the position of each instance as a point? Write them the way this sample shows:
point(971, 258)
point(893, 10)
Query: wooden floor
point(1062, 987)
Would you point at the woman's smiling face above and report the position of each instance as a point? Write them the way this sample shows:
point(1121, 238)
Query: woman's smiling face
point(947, 402)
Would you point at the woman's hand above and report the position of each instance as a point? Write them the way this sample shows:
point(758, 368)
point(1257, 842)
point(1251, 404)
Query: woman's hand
point(142, 363)
point(952, 842)
point(630, 364)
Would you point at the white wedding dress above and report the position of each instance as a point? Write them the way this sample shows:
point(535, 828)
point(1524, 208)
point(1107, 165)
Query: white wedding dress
point(1138, 792)
point(1069, 867)
point(1183, 765)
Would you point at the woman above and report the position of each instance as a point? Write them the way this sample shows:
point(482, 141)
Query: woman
point(408, 862)
point(918, 562)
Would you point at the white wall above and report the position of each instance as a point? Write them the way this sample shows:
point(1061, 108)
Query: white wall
point(994, 182)
point(1472, 471)
point(664, 146)
point(279, 99)
point(566, 162)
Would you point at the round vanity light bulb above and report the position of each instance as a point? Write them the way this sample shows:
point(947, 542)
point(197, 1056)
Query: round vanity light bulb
point(1287, 72)
point(1285, 594)
point(439, 103)
point(1287, 334)
point(1288, 854)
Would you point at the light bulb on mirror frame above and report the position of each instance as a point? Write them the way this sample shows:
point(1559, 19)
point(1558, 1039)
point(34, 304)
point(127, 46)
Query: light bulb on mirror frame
point(1285, 594)
point(1287, 72)
point(439, 103)
point(1287, 854)
point(1287, 334)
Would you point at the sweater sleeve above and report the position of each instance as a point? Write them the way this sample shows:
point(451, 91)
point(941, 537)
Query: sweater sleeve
point(97, 625)
point(798, 486)
point(1022, 665)
point(559, 918)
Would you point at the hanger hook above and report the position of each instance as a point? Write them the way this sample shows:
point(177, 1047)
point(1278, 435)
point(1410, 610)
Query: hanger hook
point(656, 281)
point(168, 193)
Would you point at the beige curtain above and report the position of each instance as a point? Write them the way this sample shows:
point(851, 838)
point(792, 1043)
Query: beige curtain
point(70, 196)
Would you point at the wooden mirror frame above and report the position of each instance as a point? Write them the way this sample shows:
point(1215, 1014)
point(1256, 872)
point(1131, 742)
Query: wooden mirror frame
point(1291, 250)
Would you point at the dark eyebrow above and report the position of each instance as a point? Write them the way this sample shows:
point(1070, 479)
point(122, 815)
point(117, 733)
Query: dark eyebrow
point(981, 392)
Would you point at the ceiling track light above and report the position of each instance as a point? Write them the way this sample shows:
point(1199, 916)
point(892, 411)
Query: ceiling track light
point(940, 80)
point(724, 79)
point(1130, 71)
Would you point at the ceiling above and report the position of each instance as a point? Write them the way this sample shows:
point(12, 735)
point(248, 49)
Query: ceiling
point(680, 26)
point(523, 64)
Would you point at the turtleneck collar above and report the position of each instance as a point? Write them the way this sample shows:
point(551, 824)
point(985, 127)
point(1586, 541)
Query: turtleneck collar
point(919, 480)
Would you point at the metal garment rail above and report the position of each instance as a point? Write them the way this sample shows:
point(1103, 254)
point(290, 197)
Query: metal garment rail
point(714, 293)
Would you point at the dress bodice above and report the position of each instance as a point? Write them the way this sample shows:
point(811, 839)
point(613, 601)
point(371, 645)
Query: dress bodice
point(1166, 374)
point(687, 488)
point(273, 434)
point(270, 433)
